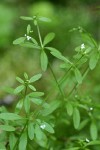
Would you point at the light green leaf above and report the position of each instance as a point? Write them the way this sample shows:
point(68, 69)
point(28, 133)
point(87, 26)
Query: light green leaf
point(76, 118)
point(93, 60)
point(51, 108)
point(26, 76)
point(27, 104)
point(78, 75)
point(31, 131)
point(12, 141)
point(19, 40)
point(38, 132)
point(48, 127)
point(19, 89)
point(32, 87)
point(36, 101)
point(36, 94)
point(19, 80)
point(74, 148)
point(7, 128)
point(44, 60)
point(30, 45)
point(35, 78)
point(93, 131)
point(19, 106)
point(69, 108)
point(26, 18)
point(83, 124)
point(28, 29)
point(34, 41)
point(23, 141)
point(9, 116)
point(96, 142)
point(44, 19)
point(48, 38)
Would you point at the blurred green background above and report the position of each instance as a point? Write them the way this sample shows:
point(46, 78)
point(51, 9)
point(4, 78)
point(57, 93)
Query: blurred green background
point(65, 15)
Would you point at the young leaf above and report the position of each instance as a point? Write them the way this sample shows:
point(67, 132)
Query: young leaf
point(19, 89)
point(23, 141)
point(36, 94)
point(19, 80)
point(48, 38)
point(35, 78)
point(93, 60)
point(26, 76)
point(44, 61)
point(28, 28)
point(78, 75)
point(27, 104)
point(9, 116)
point(19, 40)
point(31, 131)
point(12, 141)
point(44, 19)
point(76, 118)
point(36, 101)
point(69, 108)
point(7, 128)
point(48, 127)
point(32, 87)
point(93, 131)
point(26, 18)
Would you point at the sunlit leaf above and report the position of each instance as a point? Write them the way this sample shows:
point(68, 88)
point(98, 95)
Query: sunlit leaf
point(9, 116)
point(35, 78)
point(19, 89)
point(48, 38)
point(7, 128)
point(44, 61)
point(26, 18)
point(31, 130)
point(19, 40)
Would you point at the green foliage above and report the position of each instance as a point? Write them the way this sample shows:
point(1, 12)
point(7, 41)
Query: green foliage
point(56, 120)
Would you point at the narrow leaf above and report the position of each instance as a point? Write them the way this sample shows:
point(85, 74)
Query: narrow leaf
point(69, 108)
point(44, 61)
point(19, 40)
point(93, 60)
point(44, 19)
point(23, 141)
point(28, 28)
point(26, 18)
point(96, 142)
point(36, 94)
point(32, 87)
point(9, 116)
point(12, 141)
point(19, 89)
point(38, 132)
point(7, 128)
point(36, 101)
point(31, 131)
point(48, 127)
point(30, 45)
point(76, 118)
point(78, 75)
point(35, 78)
point(19, 80)
point(27, 104)
point(48, 38)
point(93, 131)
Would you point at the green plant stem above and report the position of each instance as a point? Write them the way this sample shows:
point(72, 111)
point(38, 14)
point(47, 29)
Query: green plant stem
point(40, 39)
point(56, 81)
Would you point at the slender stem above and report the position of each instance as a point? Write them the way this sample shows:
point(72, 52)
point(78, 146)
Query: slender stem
point(40, 39)
point(56, 81)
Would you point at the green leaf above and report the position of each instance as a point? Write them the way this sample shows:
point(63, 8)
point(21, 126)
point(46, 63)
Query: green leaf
point(26, 76)
point(30, 45)
point(28, 29)
point(48, 38)
point(23, 141)
point(9, 116)
point(12, 141)
point(19, 80)
point(31, 131)
point(44, 60)
point(69, 108)
point(78, 75)
point(48, 127)
point(93, 131)
point(44, 19)
point(35, 78)
point(34, 41)
point(38, 132)
point(27, 104)
point(36, 94)
point(32, 87)
point(7, 128)
point(74, 148)
point(76, 118)
point(96, 142)
point(83, 124)
point(51, 108)
point(19, 106)
point(36, 101)
point(93, 60)
point(19, 89)
point(19, 40)
point(26, 18)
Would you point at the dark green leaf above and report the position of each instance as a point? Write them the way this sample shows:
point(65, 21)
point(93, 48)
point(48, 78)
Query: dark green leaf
point(31, 131)
point(9, 116)
point(76, 118)
point(44, 61)
point(19, 40)
point(7, 128)
point(48, 38)
point(93, 131)
point(19, 89)
point(23, 141)
point(35, 78)
point(78, 75)
point(93, 60)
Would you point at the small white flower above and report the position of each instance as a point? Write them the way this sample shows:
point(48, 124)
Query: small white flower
point(91, 108)
point(25, 34)
point(42, 126)
point(28, 37)
point(87, 140)
point(82, 46)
